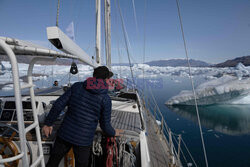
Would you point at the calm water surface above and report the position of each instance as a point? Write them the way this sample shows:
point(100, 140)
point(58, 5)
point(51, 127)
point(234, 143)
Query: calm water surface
point(226, 128)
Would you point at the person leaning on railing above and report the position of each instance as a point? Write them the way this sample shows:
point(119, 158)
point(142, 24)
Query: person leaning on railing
point(88, 103)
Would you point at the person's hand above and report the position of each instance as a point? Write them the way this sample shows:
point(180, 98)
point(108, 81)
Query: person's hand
point(119, 132)
point(47, 130)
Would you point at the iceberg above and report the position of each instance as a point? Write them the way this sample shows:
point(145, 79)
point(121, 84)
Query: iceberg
point(241, 71)
point(2, 67)
point(226, 90)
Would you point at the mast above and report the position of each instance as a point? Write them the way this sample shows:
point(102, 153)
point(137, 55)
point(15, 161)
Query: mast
point(98, 32)
point(107, 33)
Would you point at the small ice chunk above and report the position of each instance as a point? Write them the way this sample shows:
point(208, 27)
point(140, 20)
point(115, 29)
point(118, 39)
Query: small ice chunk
point(158, 122)
point(217, 136)
point(8, 87)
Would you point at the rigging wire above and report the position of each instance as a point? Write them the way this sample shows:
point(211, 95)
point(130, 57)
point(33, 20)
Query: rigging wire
point(184, 157)
point(192, 82)
point(153, 97)
point(188, 151)
point(118, 41)
point(52, 73)
point(176, 135)
point(126, 42)
point(133, 61)
point(135, 17)
point(77, 11)
point(136, 24)
point(144, 45)
point(120, 58)
point(64, 77)
point(43, 75)
point(71, 8)
point(52, 70)
point(57, 13)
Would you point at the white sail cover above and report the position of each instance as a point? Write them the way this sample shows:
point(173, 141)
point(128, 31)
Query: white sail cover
point(64, 43)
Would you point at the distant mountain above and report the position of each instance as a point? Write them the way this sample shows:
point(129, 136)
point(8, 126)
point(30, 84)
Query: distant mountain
point(232, 63)
point(122, 64)
point(178, 63)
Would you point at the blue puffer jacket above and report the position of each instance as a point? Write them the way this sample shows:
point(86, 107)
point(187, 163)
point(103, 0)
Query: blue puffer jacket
point(85, 108)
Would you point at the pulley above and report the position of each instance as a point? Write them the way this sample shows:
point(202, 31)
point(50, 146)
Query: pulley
point(73, 68)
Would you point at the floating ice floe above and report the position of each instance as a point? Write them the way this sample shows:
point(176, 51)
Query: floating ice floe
point(57, 71)
point(8, 87)
point(5, 78)
point(39, 78)
point(11, 86)
point(2, 67)
point(227, 89)
point(217, 136)
point(149, 71)
point(158, 122)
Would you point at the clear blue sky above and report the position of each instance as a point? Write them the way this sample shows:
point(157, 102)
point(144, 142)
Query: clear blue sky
point(215, 30)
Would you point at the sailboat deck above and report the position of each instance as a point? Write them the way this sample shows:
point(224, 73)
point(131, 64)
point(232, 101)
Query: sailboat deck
point(126, 121)
point(158, 149)
point(125, 115)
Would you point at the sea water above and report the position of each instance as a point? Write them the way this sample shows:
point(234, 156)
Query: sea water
point(226, 128)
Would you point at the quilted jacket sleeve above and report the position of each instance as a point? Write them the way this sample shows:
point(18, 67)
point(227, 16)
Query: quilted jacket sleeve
point(57, 107)
point(106, 117)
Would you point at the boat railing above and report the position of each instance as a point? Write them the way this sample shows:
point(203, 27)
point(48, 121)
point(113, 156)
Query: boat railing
point(173, 140)
point(164, 131)
point(8, 48)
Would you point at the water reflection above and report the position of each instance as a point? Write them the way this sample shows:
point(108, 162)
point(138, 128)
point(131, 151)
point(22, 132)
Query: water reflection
point(227, 119)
